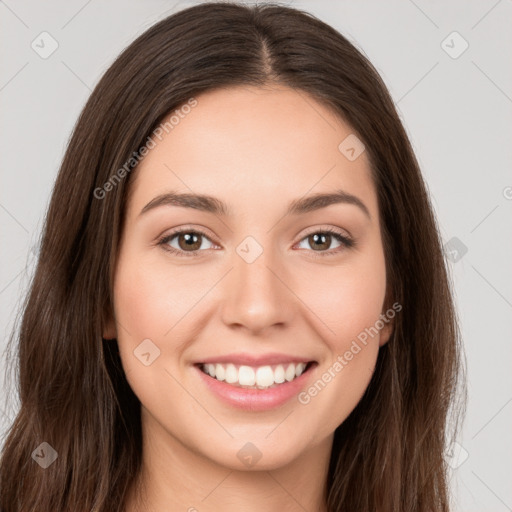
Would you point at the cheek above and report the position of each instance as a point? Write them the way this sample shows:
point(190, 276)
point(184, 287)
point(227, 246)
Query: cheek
point(148, 301)
point(139, 300)
point(142, 304)
point(151, 296)
point(155, 301)
point(350, 306)
point(348, 299)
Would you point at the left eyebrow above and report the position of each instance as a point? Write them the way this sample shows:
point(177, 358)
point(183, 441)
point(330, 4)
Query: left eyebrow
point(216, 206)
point(317, 201)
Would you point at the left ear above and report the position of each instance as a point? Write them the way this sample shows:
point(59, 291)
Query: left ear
point(386, 332)
point(389, 324)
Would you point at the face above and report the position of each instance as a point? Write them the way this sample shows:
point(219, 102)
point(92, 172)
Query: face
point(271, 280)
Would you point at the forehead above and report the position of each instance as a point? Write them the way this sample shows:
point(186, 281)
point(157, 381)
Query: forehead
point(253, 146)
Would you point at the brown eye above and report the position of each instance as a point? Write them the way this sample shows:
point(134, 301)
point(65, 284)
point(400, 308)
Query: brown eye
point(189, 242)
point(320, 241)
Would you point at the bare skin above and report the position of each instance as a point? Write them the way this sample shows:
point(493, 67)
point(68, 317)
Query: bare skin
point(255, 149)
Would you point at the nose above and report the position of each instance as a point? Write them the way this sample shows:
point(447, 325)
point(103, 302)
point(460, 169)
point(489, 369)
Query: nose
point(256, 295)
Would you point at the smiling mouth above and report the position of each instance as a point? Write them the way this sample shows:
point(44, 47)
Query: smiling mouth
point(259, 377)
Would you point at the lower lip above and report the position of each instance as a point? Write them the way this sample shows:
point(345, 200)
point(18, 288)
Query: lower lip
point(256, 399)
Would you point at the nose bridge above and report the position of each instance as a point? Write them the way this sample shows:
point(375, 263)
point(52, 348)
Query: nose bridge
point(257, 297)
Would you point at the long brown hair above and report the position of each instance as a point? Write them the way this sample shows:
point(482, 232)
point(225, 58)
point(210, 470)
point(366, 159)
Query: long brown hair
point(388, 454)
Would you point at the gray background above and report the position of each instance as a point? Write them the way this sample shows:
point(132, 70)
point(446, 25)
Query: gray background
point(457, 112)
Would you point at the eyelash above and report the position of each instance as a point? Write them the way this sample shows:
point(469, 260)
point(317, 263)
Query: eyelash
point(346, 242)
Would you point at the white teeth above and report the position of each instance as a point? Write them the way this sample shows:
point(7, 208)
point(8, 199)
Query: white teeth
point(231, 374)
point(220, 372)
point(299, 369)
point(246, 376)
point(290, 372)
point(264, 376)
point(279, 374)
point(261, 377)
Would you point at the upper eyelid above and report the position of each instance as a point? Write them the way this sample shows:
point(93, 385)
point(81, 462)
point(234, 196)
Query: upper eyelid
point(179, 231)
point(340, 231)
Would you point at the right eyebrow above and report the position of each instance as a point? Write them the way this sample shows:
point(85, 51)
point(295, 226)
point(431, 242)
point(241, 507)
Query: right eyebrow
point(197, 201)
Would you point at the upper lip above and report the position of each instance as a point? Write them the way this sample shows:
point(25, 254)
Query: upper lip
point(255, 360)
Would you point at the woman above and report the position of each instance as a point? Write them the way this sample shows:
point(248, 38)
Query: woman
point(241, 299)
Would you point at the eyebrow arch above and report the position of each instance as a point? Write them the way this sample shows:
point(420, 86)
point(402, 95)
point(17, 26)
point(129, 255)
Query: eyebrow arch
point(213, 205)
